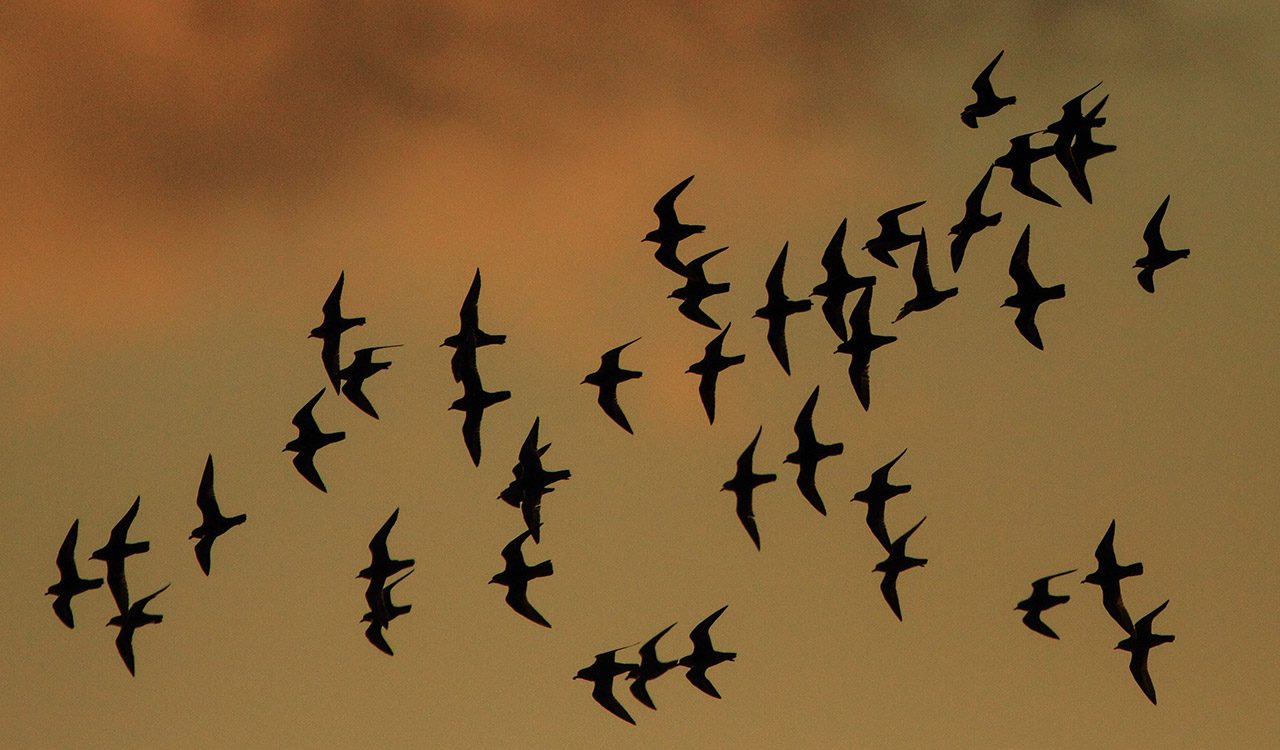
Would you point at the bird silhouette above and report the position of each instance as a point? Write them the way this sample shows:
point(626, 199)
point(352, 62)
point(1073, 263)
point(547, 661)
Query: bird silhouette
point(697, 289)
point(743, 485)
point(875, 495)
point(1066, 129)
point(69, 582)
point(1030, 294)
point(1158, 254)
point(114, 552)
point(606, 378)
point(839, 282)
point(704, 655)
point(382, 565)
point(974, 221)
point(382, 611)
point(212, 523)
point(309, 440)
point(927, 295)
point(361, 369)
point(670, 231)
point(331, 329)
point(777, 308)
point(1139, 644)
point(650, 668)
point(475, 399)
point(1039, 601)
point(1084, 149)
point(1108, 576)
point(129, 620)
point(1018, 161)
point(859, 346)
point(516, 577)
point(469, 336)
point(891, 236)
point(531, 482)
point(713, 363)
point(896, 563)
point(988, 103)
point(809, 453)
point(600, 674)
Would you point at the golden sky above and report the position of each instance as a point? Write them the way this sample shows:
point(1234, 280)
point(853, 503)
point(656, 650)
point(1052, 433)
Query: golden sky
point(186, 180)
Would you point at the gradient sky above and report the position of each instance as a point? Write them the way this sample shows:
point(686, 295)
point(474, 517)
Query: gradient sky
point(185, 181)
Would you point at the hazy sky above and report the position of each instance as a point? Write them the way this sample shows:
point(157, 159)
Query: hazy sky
point(186, 180)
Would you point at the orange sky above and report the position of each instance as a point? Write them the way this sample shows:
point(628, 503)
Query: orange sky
point(187, 180)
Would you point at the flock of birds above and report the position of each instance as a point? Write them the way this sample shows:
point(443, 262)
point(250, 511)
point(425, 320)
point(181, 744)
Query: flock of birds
point(1073, 146)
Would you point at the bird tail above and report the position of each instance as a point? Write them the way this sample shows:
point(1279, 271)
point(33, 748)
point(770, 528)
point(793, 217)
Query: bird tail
point(541, 570)
point(1057, 291)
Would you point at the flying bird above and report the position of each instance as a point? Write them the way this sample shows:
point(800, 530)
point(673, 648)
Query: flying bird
point(704, 655)
point(129, 620)
point(743, 485)
point(531, 481)
point(1018, 161)
point(361, 369)
point(896, 563)
point(516, 577)
point(606, 378)
point(875, 495)
point(974, 221)
point(212, 523)
point(1108, 576)
point(859, 346)
point(697, 289)
point(839, 282)
point(777, 308)
point(469, 336)
point(1030, 294)
point(1066, 129)
point(475, 399)
point(670, 231)
point(1158, 254)
point(114, 552)
point(1139, 644)
point(382, 566)
point(713, 363)
point(988, 102)
point(650, 668)
point(891, 236)
point(600, 674)
point(1084, 149)
point(309, 440)
point(331, 329)
point(927, 295)
point(382, 611)
point(1039, 601)
point(69, 582)
point(809, 453)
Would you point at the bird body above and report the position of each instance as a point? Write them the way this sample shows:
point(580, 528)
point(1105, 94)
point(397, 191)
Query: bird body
point(1158, 254)
point(1039, 601)
point(859, 346)
point(743, 485)
point(697, 289)
point(114, 552)
point(972, 222)
point(1108, 576)
point(875, 495)
point(1030, 294)
point(1139, 644)
point(129, 620)
point(600, 674)
point(361, 369)
point(670, 230)
point(891, 236)
point(309, 440)
point(809, 453)
point(212, 523)
point(474, 400)
point(69, 584)
point(516, 576)
point(382, 565)
point(713, 363)
point(927, 296)
point(607, 378)
point(897, 562)
point(704, 655)
point(331, 329)
point(988, 102)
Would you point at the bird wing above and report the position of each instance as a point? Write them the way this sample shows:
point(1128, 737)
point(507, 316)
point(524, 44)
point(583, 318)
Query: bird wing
point(206, 501)
point(471, 433)
point(1105, 552)
point(833, 311)
point(1113, 603)
point(304, 462)
point(608, 400)
point(665, 208)
point(804, 420)
point(881, 475)
point(517, 598)
point(1145, 624)
point(140, 605)
point(375, 636)
point(332, 308)
point(378, 543)
point(1025, 321)
point(531, 511)
point(603, 694)
point(469, 313)
point(860, 317)
point(1020, 263)
point(649, 651)
point(67, 553)
point(612, 358)
point(875, 522)
point(204, 548)
point(773, 283)
point(699, 679)
point(807, 482)
point(124, 644)
point(1141, 675)
point(889, 589)
point(690, 308)
point(1151, 235)
point(352, 388)
point(304, 420)
point(748, 455)
point(982, 84)
point(120, 531)
point(1021, 181)
point(1147, 279)
point(1032, 620)
point(860, 377)
point(117, 584)
point(958, 245)
point(666, 255)
point(746, 514)
point(920, 267)
point(833, 256)
point(640, 689)
point(973, 204)
point(707, 392)
point(329, 357)
point(62, 608)
point(777, 338)
point(511, 550)
point(701, 633)
point(900, 544)
point(889, 219)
